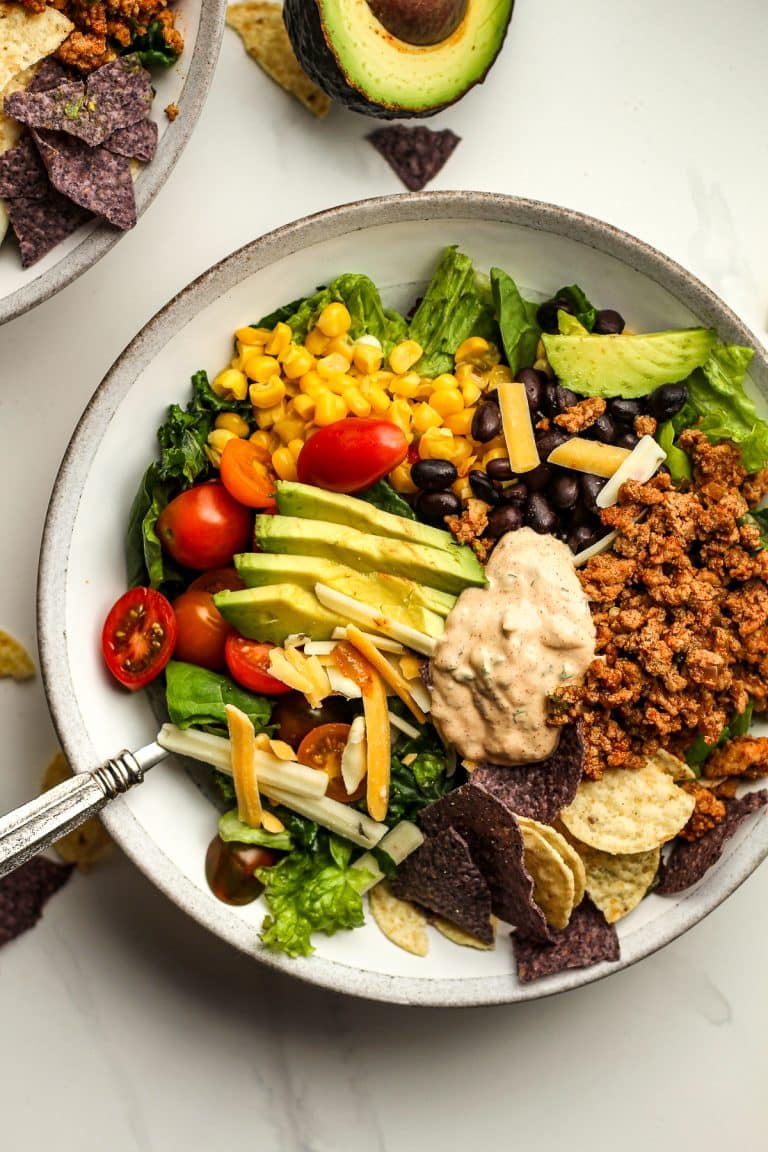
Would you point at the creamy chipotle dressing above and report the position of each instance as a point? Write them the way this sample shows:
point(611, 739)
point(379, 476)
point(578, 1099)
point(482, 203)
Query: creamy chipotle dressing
point(509, 646)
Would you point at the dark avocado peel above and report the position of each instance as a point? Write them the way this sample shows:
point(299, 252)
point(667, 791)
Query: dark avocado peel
point(394, 59)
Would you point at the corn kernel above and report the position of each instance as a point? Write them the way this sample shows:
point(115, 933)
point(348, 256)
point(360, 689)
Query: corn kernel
point(329, 408)
point(382, 378)
point(232, 422)
point(447, 401)
point(499, 453)
point(334, 320)
point(541, 351)
point(312, 383)
point(343, 345)
point(468, 372)
point(499, 374)
point(464, 467)
point(356, 402)
point(266, 417)
point(268, 393)
point(543, 366)
point(303, 405)
point(279, 340)
point(435, 444)
point(462, 489)
point(399, 413)
point(406, 385)
point(289, 428)
point(424, 417)
point(425, 389)
point(378, 399)
point(471, 350)
point(249, 337)
point(460, 423)
point(296, 362)
point(404, 355)
point(400, 479)
point(366, 358)
point(471, 392)
point(332, 364)
point(284, 464)
point(265, 441)
point(316, 343)
point(295, 447)
point(260, 367)
point(219, 438)
point(231, 383)
point(338, 382)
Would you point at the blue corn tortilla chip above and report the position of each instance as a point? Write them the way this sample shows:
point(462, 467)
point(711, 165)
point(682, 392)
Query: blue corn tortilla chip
point(415, 154)
point(496, 847)
point(49, 75)
point(689, 860)
point(62, 109)
point(40, 223)
point(540, 790)
point(25, 892)
point(442, 876)
point(94, 178)
point(587, 940)
point(121, 91)
point(22, 172)
point(138, 141)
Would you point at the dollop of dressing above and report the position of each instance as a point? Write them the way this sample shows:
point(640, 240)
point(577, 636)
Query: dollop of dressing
point(507, 647)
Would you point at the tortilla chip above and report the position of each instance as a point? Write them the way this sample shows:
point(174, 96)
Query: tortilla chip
point(95, 178)
point(26, 37)
point(83, 846)
point(539, 790)
point(261, 28)
point(15, 661)
point(676, 768)
point(442, 876)
point(399, 920)
point(689, 860)
point(22, 172)
point(566, 850)
point(617, 884)
point(41, 223)
point(587, 940)
point(25, 892)
point(138, 141)
point(553, 883)
point(415, 154)
point(458, 935)
point(628, 810)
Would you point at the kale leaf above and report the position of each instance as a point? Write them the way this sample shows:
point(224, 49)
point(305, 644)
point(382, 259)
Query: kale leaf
point(382, 495)
point(151, 47)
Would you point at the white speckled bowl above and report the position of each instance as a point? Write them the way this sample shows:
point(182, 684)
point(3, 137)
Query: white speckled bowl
point(165, 825)
point(185, 83)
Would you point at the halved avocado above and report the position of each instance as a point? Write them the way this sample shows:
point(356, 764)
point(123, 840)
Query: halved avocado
point(396, 59)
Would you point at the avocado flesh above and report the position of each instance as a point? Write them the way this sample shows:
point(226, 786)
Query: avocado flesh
point(316, 504)
point(446, 571)
point(274, 612)
point(351, 56)
point(627, 366)
point(403, 600)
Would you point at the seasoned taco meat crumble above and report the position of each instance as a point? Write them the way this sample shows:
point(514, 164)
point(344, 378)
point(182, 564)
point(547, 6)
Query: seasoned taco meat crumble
point(681, 611)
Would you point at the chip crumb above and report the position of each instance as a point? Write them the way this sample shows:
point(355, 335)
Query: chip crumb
point(15, 661)
point(25, 892)
point(90, 842)
point(401, 922)
point(261, 28)
point(415, 154)
point(171, 111)
point(460, 936)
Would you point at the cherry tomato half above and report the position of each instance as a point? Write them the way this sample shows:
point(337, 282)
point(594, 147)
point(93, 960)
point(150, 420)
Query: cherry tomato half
point(230, 867)
point(321, 749)
point(217, 580)
point(248, 664)
point(204, 527)
point(201, 630)
point(351, 454)
point(138, 637)
point(243, 474)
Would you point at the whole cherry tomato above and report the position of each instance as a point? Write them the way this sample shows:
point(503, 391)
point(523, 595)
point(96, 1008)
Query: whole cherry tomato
point(248, 664)
point(218, 580)
point(244, 475)
point(138, 637)
point(204, 527)
point(321, 749)
point(351, 454)
point(201, 630)
point(230, 867)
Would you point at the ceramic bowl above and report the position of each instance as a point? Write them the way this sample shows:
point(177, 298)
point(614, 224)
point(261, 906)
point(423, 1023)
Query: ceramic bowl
point(185, 83)
point(166, 824)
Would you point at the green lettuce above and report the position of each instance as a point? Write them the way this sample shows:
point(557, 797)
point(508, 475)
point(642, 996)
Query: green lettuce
point(759, 516)
point(678, 463)
point(456, 304)
point(151, 47)
point(197, 697)
point(583, 310)
point(360, 296)
point(517, 321)
point(699, 752)
point(413, 786)
point(312, 891)
point(382, 495)
point(232, 829)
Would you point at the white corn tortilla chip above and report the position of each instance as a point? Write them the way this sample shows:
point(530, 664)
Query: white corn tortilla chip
point(568, 853)
point(400, 921)
point(617, 884)
point(458, 935)
point(26, 37)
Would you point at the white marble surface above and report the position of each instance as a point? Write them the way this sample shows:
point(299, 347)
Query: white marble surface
point(125, 1026)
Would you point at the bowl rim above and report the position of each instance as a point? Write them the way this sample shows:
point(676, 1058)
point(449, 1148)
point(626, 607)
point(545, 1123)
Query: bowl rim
point(62, 510)
point(100, 238)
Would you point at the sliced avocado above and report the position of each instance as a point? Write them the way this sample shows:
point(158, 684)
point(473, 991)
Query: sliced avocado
point(393, 58)
point(404, 600)
point(450, 571)
point(276, 611)
point(316, 504)
point(627, 365)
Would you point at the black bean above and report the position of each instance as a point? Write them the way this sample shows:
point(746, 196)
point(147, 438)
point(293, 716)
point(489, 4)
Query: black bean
point(624, 411)
point(537, 479)
point(493, 396)
point(546, 442)
point(538, 513)
point(433, 475)
point(628, 440)
point(505, 518)
point(564, 491)
point(604, 429)
point(486, 422)
point(565, 397)
point(514, 494)
point(547, 312)
point(482, 487)
point(581, 538)
point(590, 487)
point(549, 398)
point(499, 469)
point(433, 506)
point(608, 322)
point(531, 380)
point(667, 401)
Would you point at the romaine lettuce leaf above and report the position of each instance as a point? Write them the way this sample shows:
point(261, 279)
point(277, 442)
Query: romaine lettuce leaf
point(678, 463)
point(759, 516)
point(231, 828)
point(197, 697)
point(584, 311)
point(382, 495)
point(362, 299)
point(455, 305)
point(517, 321)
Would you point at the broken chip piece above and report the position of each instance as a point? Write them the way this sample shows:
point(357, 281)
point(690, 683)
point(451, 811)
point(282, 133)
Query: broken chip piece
point(40, 223)
point(541, 790)
point(689, 860)
point(261, 28)
point(415, 154)
point(15, 661)
point(95, 178)
point(399, 920)
point(26, 37)
point(617, 883)
point(25, 892)
point(137, 141)
point(587, 940)
point(22, 172)
point(87, 844)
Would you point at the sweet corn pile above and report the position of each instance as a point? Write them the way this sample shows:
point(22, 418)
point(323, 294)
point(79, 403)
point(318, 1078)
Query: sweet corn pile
point(297, 388)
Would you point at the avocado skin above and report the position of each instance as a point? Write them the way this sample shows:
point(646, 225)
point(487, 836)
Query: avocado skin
point(304, 23)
